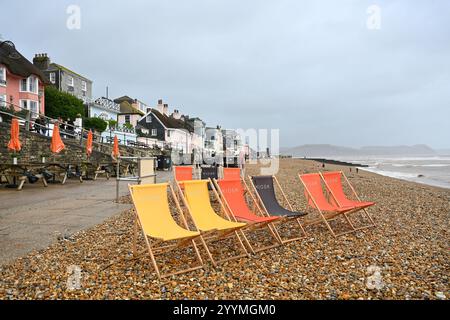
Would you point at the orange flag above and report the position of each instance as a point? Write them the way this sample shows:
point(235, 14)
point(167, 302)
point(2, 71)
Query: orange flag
point(89, 143)
point(57, 145)
point(14, 143)
point(115, 152)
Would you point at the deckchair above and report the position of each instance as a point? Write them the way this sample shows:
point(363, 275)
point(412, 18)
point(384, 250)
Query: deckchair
point(209, 173)
point(328, 211)
point(231, 173)
point(264, 189)
point(195, 197)
point(333, 183)
point(153, 216)
point(183, 173)
point(232, 193)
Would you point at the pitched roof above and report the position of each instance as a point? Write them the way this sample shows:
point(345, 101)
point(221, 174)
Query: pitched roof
point(126, 108)
point(170, 122)
point(17, 63)
point(58, 66)
point(124, 98)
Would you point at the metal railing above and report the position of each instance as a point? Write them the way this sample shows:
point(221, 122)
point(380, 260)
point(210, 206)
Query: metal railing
point(68, 131)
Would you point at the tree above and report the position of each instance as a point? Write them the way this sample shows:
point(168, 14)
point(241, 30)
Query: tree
point(95, 124)
point(61, 104)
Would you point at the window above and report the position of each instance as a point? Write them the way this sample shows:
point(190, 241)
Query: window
point(33, 107)
point(24, 104)
point(148, 118)
point(30, 105)
point(70, 81)
point(33, 84)
point(83, 86)
point(2, 76)
point(52, 77)
point(154, 132)
point(3, 100)
point(127, 118)
point(23, 85)
point(30, 84)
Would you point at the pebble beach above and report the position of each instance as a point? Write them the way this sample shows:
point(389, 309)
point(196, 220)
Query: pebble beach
point(406, 256)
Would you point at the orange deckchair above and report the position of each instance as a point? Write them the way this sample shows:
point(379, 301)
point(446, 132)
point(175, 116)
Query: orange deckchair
point(183, 173)
point(333, 183)
point(195, 196)
point(153, 216)
point(232, 193)
point(312, 183)
point(231, 173)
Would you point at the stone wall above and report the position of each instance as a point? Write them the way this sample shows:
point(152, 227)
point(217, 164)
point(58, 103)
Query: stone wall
point(34, 146)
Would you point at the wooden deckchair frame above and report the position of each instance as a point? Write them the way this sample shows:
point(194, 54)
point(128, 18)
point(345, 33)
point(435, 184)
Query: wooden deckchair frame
point(330, 216)
point(282, 219)
point(214, 235)
point(153, 250)
point(251, 227)
point(330, 191)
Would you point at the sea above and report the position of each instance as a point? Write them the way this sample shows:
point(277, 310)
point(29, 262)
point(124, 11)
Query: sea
point(433, 170)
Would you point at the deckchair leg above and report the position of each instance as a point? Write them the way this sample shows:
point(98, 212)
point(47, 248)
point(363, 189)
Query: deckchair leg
point(208, 251)
point(135, 236)
point(249, 246)
point(197, 252)
point(152, 257)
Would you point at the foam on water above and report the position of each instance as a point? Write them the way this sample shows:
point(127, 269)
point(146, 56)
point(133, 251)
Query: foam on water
point(428, 170)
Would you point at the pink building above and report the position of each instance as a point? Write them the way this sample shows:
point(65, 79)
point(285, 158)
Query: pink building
point(21, 83)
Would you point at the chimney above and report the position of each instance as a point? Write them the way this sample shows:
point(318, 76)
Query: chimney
point(41, 61)
point(160, 106)
point(176, 114)
point(166, 109)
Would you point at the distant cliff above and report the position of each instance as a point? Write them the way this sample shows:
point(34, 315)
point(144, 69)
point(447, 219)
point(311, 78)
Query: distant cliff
point(328, 150)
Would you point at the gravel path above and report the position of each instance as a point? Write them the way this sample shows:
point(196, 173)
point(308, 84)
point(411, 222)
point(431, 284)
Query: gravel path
point(405, 257)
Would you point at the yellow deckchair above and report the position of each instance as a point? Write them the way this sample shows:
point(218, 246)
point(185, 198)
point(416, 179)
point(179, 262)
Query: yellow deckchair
point(156, 221)
point(195, 196)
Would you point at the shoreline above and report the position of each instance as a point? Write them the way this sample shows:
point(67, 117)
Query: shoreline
point(409, 177)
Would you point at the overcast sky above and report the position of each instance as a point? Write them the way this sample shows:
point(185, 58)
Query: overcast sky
point(313, 69)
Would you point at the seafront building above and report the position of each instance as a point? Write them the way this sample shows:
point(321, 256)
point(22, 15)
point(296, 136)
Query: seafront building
point(64, 79)
point(22, 84)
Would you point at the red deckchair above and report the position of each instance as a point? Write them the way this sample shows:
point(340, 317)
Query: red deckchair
point(317, 200)
point(333, 183)
point(183, 173)
point(232, 192)
point(231, 173)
